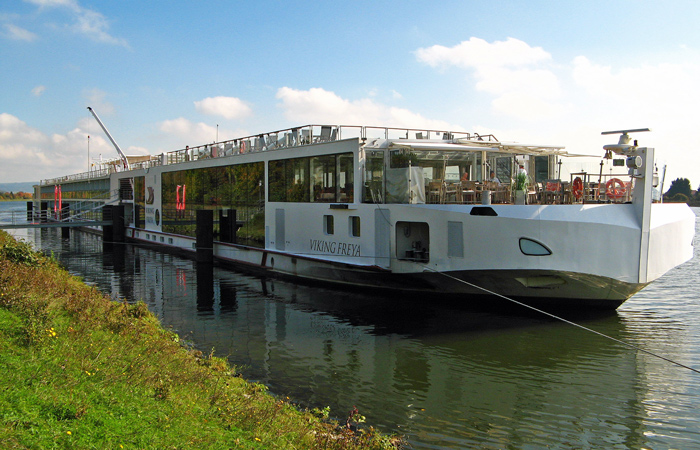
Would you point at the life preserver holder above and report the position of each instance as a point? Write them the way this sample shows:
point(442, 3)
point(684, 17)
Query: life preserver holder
point(615, 188)
point(577, 187)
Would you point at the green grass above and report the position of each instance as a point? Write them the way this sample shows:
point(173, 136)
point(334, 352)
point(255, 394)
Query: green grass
point(79, 371)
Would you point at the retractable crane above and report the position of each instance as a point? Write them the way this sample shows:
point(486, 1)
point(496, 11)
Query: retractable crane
point(119, 150)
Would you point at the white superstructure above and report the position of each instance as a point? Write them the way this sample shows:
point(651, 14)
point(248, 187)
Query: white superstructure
point(417, 211)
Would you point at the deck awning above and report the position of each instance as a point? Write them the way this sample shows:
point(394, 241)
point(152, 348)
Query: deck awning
point(479, 146)
point(440, 146)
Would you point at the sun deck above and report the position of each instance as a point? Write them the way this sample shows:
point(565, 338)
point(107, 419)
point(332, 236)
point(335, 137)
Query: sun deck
point(402, 165)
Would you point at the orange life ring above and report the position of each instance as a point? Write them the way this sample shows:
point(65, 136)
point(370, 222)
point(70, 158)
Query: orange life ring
point(577, 187)
point(615, 188)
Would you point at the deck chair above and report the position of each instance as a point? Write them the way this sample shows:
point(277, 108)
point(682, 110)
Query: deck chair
point(435, 191)
point(325, 135)
point(552, 191)
point(468, 191)
point(306, 136)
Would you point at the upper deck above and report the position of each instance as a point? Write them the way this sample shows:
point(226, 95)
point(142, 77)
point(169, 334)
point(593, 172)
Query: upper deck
point(405, 165)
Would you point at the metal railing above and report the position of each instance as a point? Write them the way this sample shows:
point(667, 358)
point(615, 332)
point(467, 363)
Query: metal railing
point(101, 173)
point(13, 218)
point(276, 140)
point(309, 135)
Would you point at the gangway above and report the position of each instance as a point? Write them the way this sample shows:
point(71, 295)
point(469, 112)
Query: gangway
point(89, 223)
point(45, 219)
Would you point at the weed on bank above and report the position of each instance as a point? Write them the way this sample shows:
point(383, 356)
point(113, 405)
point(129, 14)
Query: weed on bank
point(78, 371)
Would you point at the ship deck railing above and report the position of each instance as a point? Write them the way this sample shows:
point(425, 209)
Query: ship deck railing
point(83, 176)
point(274, 140)
point(308, 135)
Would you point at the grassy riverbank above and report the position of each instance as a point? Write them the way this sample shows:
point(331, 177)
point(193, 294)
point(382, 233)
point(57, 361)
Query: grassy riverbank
point(79, 371)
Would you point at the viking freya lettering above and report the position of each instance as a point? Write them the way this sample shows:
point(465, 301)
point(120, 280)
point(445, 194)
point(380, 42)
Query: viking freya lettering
point(335, 248)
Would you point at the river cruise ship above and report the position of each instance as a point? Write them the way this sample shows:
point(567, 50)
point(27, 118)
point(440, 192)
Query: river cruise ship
point(415, 212)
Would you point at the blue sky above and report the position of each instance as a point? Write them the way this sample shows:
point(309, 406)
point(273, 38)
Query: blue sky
point(163, 75)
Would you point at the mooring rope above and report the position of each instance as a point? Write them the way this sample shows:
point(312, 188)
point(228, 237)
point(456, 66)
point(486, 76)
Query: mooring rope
point(565, 320)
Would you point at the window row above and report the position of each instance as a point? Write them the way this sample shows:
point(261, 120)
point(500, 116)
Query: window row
point(353, 225)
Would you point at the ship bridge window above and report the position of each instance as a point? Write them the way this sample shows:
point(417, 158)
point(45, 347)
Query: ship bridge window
point(533, 248)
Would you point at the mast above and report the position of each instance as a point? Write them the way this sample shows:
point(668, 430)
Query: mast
point(119, 150)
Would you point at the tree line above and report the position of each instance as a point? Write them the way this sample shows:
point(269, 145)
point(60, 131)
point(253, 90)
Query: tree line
point(16, 196)
point(680, 192)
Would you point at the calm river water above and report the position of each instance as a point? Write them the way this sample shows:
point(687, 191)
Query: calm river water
point(442, 375)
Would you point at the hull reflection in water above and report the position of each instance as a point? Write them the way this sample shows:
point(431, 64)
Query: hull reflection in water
point(444, 376)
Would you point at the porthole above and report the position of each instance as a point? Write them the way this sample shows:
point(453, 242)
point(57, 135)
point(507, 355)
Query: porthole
point(530, 247)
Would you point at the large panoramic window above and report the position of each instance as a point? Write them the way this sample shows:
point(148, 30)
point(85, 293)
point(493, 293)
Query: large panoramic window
point(323, 170)
point(374, 177)
point(78, 190)
point(289, 180)
point(239, 187)
point(327, 178)
point(139, 201)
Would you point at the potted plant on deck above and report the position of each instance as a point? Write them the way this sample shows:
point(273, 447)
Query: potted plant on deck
point(520, 188)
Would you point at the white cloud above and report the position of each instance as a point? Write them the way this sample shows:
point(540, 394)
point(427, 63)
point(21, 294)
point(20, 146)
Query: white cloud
point(663, 97)
point(227, 107)
point(189, 132)
point(54, 3)
point(181, 132)
point(133, 150)
point(320, 106)
point(95, 98)
point(38, 91)
point(95, 26)
point(478, 54)
point(664, 86)
point(570, 103)
point(14, 133)
point(86, 21)
point(19, 34)
point(507, 69)
point(30, 155)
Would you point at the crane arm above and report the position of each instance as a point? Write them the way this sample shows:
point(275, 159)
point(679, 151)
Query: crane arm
point(119, 150)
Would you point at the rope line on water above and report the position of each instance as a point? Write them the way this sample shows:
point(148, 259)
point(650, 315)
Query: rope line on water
point(565, 320)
